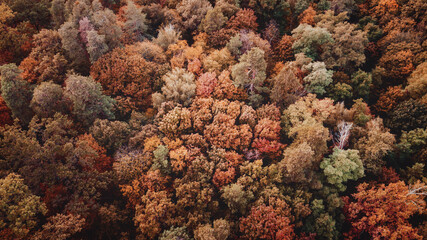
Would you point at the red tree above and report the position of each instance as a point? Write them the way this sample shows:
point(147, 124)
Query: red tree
point(383, 211)
point(265, 223)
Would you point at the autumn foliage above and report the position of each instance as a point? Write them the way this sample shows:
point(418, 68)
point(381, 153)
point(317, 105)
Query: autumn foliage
point(213, 119)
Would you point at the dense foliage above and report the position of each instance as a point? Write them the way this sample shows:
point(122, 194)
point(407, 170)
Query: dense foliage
point(213, 119)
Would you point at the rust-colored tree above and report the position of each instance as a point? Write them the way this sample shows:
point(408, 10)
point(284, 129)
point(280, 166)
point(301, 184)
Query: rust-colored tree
point(382, 212)
point(264, 222)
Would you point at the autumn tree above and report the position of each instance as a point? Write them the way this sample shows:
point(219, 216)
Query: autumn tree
point(408, 115)
point(15, 43)
point(19, 208)
point(48, 98)
point(417, 85)
point(167, 35)
point(383, 211)
point(193, 12)
point(5, 113)
point(375, 145)
point(46, 61)
point(128, 77)
point(135, 25)
point(286, 86)
point(250, 71)
point(37, 13)
point(243, 19)
point(60, 227)
point(86, 17)
point(264, 222)
point(16, 92)
point(213, 21)
point(396, 66)
point(236, 198)
point(348, 45)
point(308, 39)
point(110, 134)
point(180, 87)
point(174, 232)
point(283, 50)
point(390, 99)
point(88, 101)
point(220, 230)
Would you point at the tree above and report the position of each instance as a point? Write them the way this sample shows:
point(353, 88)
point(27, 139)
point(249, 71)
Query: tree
point(243, 19)
point(58, 12)
point(180, 87)
point(213, 21)
point(88, 101)
point(250, 72)
point(110, 134)
point(15, 42)
point(46, 61)
point(412, 141)
point(100, 162)
point(227, 90)
point(135, 26)
point(236, 198)
point(390, 99)
point(175, 122)
point(155, 211)
point(167, 36)
point(96, 46)
point(417, 83)
point(361, 83)
point(6, 13)
point(126, 76)
point(297, 160)
point(283, 50)
point(374, 145)
point(286, 86)
point(318, 78)
point(264, 222)
point(341, 166)
point(69, 38)
point(396, 66)
point(347, 48)
point(383, 211)
point(308, 39)
point(37, 13)
point(408, 115)
point(18, 206)
point(174, 233)
point(60, 227)
point(16, 92)
point(193, 12)
point(5, 114)
point(206, 84)
point(218, 61)
point(48, 98)
point(224, 133)
point(220, 230)
point(267, 136)
point(83, 18)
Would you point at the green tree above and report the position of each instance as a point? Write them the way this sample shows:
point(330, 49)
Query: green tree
point(318, 78)
point(341, 166)
point(19, 208)
point(16, 92)
point(308, 39)
point(88, 101)
point(251, 69)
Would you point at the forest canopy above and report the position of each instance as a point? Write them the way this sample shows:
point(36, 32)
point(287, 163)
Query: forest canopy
point(213, 119)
